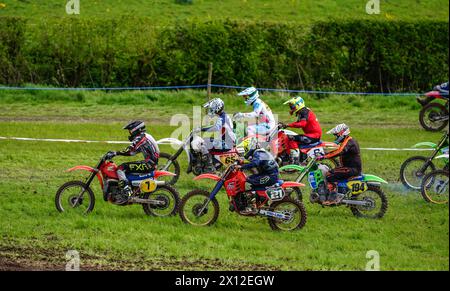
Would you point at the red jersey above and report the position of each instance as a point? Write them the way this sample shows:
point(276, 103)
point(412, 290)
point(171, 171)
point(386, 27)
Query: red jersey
point(308, 121)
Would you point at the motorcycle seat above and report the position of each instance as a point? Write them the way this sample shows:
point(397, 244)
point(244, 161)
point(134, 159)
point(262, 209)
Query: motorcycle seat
point(307, 146)
point(355, 178)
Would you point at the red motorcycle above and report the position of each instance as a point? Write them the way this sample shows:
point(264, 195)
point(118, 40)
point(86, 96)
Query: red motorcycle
point(433, 116)
point(201, 208)
point(157, 198)
point(278, 142)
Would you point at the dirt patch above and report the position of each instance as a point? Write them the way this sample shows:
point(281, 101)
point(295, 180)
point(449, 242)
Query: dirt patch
point(37, 259)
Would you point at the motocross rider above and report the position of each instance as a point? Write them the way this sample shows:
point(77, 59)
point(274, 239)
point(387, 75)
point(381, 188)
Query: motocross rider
point(223, 125)
point(265, 121)
point(141, 142)
point(350, 157)
point(307, 121)
point(265, 164)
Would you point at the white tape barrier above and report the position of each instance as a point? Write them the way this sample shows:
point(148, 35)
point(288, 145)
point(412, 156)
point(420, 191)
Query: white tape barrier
point(170, 141)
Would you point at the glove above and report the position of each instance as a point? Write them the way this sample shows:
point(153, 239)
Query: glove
point(110, 155)
point(238, 116)
point(320, 158)
point(282, 125)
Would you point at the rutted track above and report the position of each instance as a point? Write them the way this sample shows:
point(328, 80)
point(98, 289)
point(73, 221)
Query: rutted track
point(38, 259)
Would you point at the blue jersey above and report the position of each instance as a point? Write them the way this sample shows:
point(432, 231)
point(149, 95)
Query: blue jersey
point(263, 161)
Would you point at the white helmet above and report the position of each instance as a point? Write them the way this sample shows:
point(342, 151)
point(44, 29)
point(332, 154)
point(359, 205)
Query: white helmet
point(214, 106)
point(341, 131)
point(250, 95)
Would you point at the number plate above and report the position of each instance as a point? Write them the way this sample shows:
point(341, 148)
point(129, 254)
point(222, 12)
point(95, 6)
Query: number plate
point(357, 187)
point(228, 159)
point(148, 185)
point(275, 193)
point(316, 152)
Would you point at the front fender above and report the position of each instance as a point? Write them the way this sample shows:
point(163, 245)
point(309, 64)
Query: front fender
point(89, 169)
point(292, 185)
point(426, 144)
point(373, 178)
point(207, 176)
point(293, 167)
point(444, 156)
point(158, 174)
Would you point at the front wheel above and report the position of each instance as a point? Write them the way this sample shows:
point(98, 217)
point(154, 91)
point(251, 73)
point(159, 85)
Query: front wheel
point(376, 203)
point(166, 164)
point(292, 208)
point(197, 209)
point(170, 200)
point(413, 170)
point(76, 197)
point(435, 188)
point(434, 117)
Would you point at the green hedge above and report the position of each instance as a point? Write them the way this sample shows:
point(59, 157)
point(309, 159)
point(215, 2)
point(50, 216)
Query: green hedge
point(354, 55)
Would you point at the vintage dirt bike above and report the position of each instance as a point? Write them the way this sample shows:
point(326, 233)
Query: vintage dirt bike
point(363, 194)
point(197, 162)
point(201, 208)
point(433, 116)
point(157, 198)
point(414, 169)
point(277, 143)
point(434, 188)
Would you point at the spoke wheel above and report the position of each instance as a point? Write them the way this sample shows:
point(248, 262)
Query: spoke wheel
point(75, 197)
point(435, 187)
point(191, 209)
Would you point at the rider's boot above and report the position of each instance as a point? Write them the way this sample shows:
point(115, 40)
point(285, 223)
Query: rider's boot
point(126, 192)
point(251, 208)
point(333, 197)
point(295, 156)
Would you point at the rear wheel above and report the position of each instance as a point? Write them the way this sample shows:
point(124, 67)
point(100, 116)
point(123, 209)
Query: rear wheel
point(411, 174)
point(376, 203)
point(432, 117)
point(435, 187)
point(166, 194)
point(76, 197)
point(165, 164)
point(292, 208)
point(191, 208)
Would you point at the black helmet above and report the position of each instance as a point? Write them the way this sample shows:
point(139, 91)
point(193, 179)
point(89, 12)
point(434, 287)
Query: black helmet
point(135, 128)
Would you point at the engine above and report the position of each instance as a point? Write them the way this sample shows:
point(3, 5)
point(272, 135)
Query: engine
point(111, 189)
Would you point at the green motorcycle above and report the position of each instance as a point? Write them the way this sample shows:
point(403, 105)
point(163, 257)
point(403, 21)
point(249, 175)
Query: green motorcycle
point(414, 169)
point(362, 194)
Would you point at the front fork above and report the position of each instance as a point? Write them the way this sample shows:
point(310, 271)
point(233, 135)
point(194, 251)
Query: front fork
point(88, 183)
point(211, 196)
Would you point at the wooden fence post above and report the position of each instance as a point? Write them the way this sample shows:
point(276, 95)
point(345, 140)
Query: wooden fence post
point(208, 89)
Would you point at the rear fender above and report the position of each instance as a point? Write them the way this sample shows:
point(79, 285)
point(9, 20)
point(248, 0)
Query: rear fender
point(445, 156)
point(425, 144)
point(372, 178)
point(158, 174)
point(207, 176)
point(293, 167)
point(89, 169)
point(292, 185)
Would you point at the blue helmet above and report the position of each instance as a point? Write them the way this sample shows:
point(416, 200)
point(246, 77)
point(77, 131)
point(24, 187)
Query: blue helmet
point(250, 95)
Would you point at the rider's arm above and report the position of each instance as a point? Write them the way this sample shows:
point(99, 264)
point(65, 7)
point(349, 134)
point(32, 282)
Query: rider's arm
point(126, 152)
point(253, 163)
point(257, 108)
point(214, 128)
point(302, 119)
point(340, 151)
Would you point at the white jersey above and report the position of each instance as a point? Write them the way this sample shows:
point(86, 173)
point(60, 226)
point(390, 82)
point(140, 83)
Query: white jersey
point(262, 113)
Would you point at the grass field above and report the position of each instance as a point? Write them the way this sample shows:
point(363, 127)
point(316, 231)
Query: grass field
point(412, 236)
point(167, 11)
